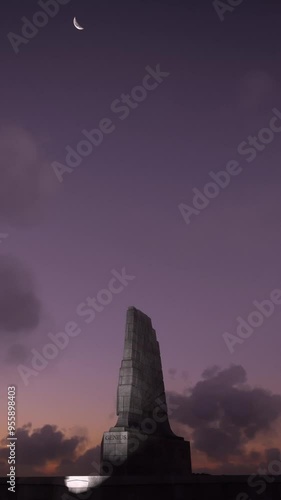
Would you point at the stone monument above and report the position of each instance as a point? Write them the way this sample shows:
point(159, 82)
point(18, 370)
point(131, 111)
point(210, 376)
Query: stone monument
point(142, 442)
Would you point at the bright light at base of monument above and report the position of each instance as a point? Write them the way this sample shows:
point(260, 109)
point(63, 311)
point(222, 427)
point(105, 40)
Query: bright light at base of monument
point(80, 484)
point(77, 484)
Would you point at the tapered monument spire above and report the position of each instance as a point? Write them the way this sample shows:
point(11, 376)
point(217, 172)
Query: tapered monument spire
point(142, 441)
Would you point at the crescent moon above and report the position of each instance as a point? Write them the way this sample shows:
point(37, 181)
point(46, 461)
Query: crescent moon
point(77, 25)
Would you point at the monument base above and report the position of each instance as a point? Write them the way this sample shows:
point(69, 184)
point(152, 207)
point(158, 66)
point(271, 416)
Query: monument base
point(130, 452)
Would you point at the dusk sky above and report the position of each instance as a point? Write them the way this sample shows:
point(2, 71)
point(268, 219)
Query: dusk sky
point(179, 89)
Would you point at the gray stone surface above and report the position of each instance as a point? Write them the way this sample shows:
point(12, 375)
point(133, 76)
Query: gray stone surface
point(142, 441)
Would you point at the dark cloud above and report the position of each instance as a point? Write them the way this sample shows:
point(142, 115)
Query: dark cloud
point(272, 454)
point(254, 462)
point(26, 179)
point(210, 372)
point(44, 444)
point(240, 469)
point(35, 448)
point(85, 465)
point(217, 443)
point(224, 414)
point(20, 308)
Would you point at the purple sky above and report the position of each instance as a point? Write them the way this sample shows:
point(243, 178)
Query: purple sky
point(119, 209)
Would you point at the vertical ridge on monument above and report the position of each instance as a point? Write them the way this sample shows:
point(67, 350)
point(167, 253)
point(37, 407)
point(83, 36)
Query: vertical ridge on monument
point(142, 442)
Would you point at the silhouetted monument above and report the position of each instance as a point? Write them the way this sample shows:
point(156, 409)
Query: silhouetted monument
point(142, 442)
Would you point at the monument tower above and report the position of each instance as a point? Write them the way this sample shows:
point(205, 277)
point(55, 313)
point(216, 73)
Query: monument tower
point(142, 442)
